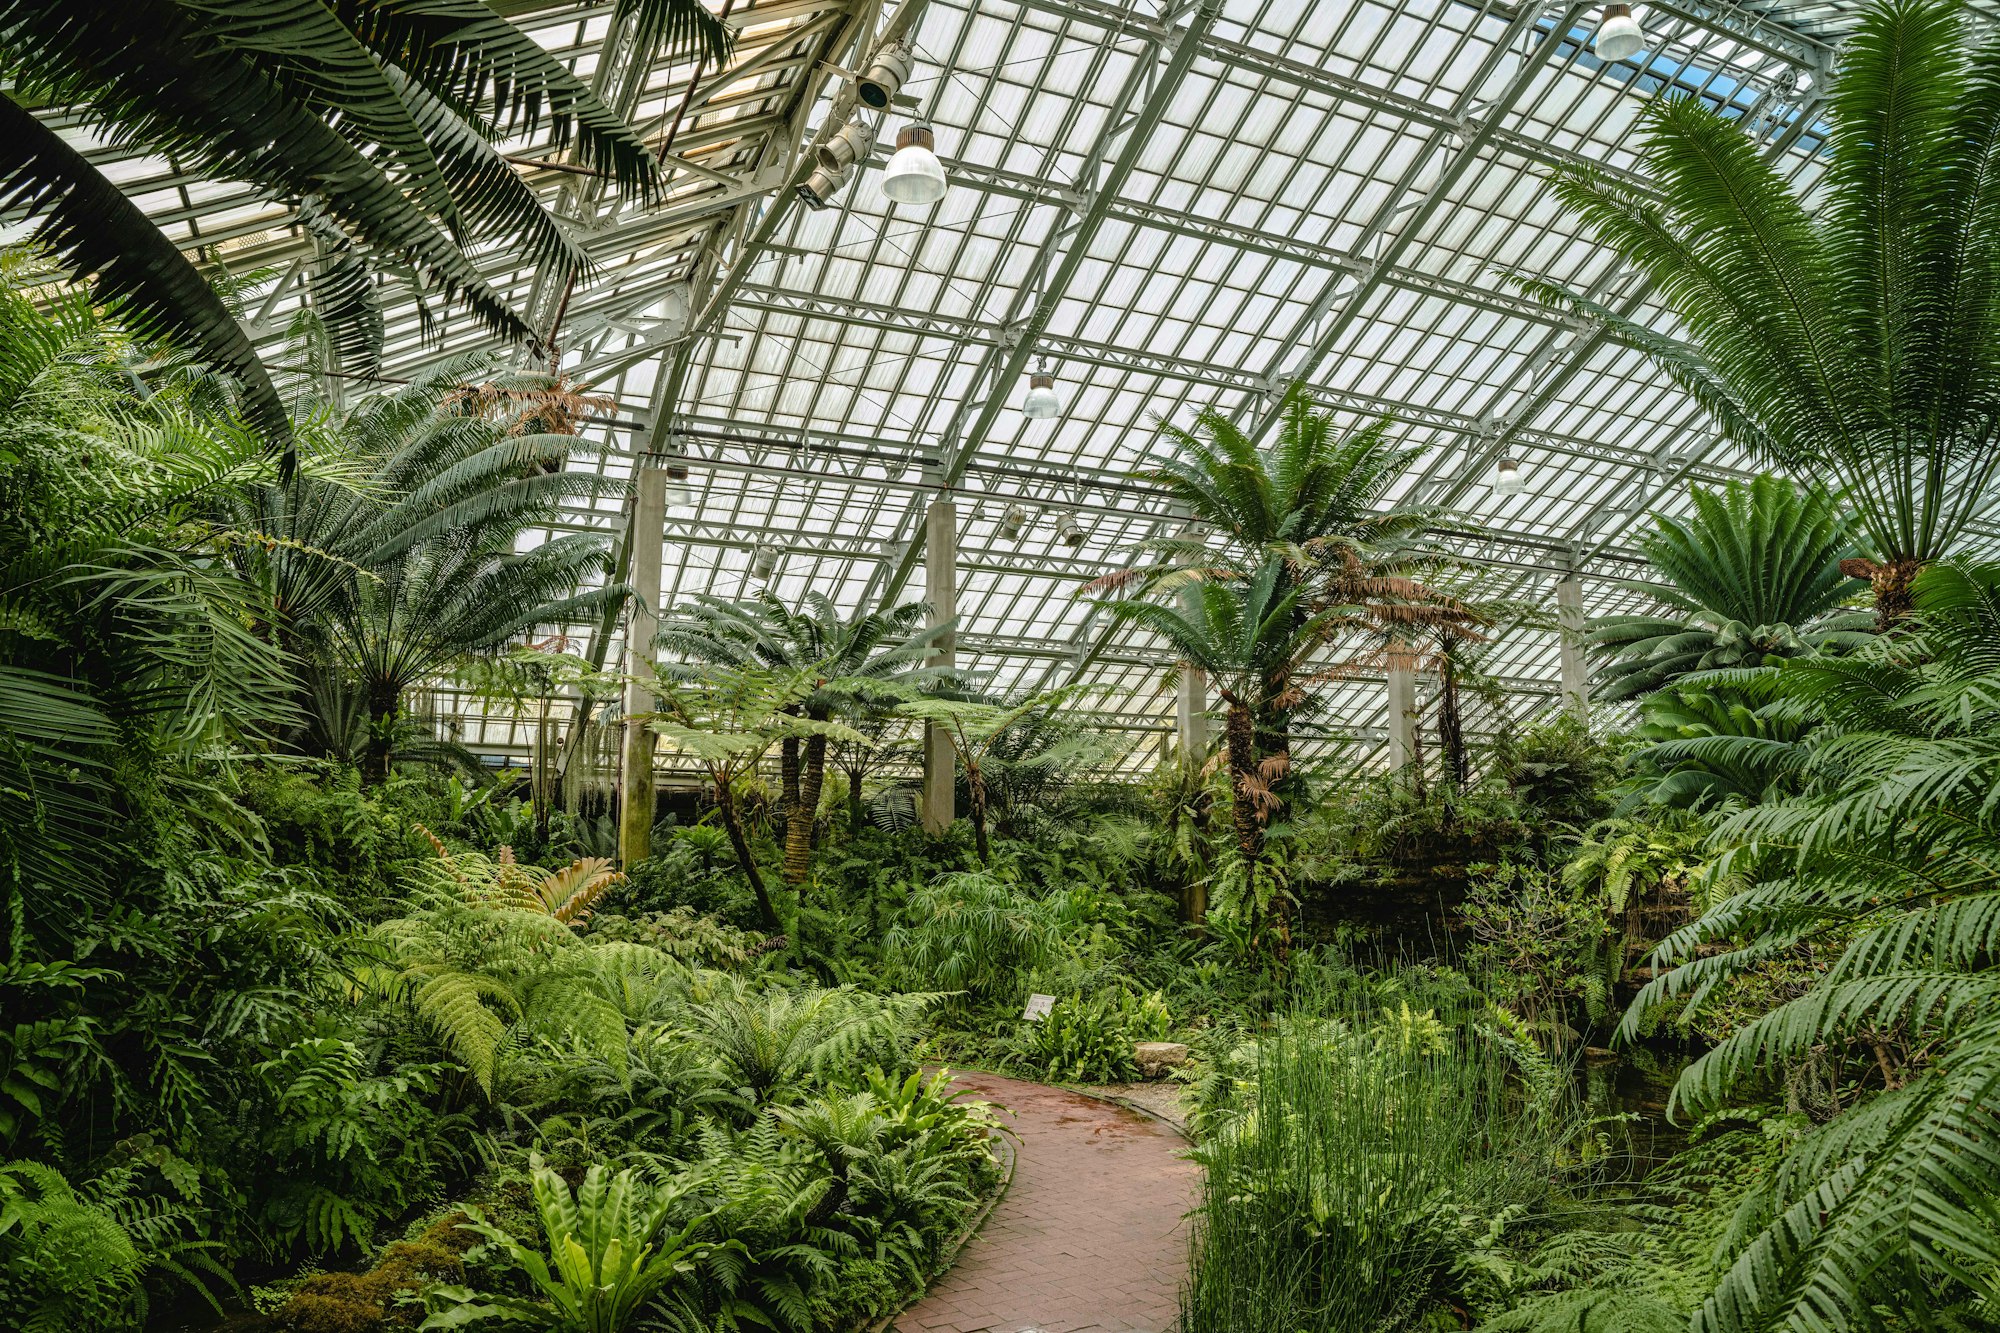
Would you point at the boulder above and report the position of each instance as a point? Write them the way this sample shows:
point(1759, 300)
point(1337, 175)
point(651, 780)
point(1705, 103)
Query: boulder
point(1154, 1058)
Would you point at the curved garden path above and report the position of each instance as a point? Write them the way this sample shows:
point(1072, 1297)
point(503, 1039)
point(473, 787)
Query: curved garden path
point(1090, 1236)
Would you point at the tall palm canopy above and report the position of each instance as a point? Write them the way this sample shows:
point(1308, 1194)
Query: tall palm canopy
point(1857, 336)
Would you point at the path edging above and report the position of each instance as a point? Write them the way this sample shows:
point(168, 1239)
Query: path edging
point(950, 1255)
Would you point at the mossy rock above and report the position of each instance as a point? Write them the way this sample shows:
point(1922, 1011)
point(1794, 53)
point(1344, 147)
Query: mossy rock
point(372, 1301)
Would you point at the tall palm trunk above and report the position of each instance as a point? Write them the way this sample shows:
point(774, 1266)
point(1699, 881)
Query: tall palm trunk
point(732, 823)
point(799, 825)
point(1240, 731)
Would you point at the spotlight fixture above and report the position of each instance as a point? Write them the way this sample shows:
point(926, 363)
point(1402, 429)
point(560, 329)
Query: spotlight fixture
point(764, 561)
point(854, 143)
point(819, 189)
point(1069, 532)
point(886, 72)
point(1012, 522)
point(1041, 404)
point(1507, 478)
point(1618, 34)
point(914, 174)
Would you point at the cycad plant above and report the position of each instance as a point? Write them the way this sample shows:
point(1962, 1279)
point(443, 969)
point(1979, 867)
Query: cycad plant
point(1886, 854)
point(1859, 340)
point(379, 117)
point(1753, 574)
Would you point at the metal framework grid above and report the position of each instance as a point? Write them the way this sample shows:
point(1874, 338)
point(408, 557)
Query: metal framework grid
point(1179, 204)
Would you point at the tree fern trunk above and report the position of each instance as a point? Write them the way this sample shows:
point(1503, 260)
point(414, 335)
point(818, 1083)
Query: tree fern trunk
point(788, 776)
point(1451, 730)
point(725, 801)
point(857, 814)
point(799, 827)
point(975, 785)
point(1241, 733)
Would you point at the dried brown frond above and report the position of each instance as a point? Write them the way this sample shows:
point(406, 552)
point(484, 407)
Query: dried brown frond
point(557, 407)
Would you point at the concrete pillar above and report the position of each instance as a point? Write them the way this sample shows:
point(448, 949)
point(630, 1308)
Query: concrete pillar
point(635, 796)
point(1575, 670)
point(939, 806)
point(1402, 715)
point(1191, 712)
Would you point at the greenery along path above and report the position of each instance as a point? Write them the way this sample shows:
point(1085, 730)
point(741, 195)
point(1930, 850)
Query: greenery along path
point(1091, 1235)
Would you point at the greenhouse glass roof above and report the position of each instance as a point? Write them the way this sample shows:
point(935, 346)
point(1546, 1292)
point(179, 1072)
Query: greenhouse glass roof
point(1178, 205)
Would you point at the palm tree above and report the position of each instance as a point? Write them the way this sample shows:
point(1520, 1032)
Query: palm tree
point(1314, 500)
point(853, 664)
point(1861, 341)
point(378, 116)
point(1251, 638)
point(1884, 849)
point(1754, 574)
point(124, 639)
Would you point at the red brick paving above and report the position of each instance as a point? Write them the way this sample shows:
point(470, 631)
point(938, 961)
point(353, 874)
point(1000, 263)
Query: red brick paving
point(1091, 1235)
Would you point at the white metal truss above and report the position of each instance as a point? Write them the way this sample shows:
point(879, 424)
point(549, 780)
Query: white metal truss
point(1181, 204)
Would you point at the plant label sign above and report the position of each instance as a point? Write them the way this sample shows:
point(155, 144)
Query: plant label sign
point(1038, 1007)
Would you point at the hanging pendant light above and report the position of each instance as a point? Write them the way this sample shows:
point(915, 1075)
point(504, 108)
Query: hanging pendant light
point(1041, 404)
point(1069, 532)
point(914, 174)
point(1012, 522)
point(764, 561)
point(1619, 35)
point(1507, 478)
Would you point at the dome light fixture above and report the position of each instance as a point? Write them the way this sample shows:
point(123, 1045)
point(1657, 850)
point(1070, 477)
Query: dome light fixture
point(1619, 35)
point(1012, 522)
point(764, 561)
point(1041, 404)
point(1507, 478)
point(914, 174)
point(1069, 532)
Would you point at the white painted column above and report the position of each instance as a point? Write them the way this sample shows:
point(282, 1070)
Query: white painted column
point(649, 521)
point(1191, 712)
point(1575, 669)
point(1402, 690)
point(939, 807)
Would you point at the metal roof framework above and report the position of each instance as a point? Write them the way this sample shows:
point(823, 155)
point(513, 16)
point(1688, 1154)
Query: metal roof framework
point(1179, 203)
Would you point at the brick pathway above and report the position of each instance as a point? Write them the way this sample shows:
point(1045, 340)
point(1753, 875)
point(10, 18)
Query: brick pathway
point(1090, 1236)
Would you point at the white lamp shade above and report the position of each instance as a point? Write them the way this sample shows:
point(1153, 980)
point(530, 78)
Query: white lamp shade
point(1618, 34)
point(1507, 478)
point(914, 174)
point(1041, 404)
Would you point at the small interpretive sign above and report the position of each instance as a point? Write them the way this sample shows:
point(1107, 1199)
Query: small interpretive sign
point(1038, 1007)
